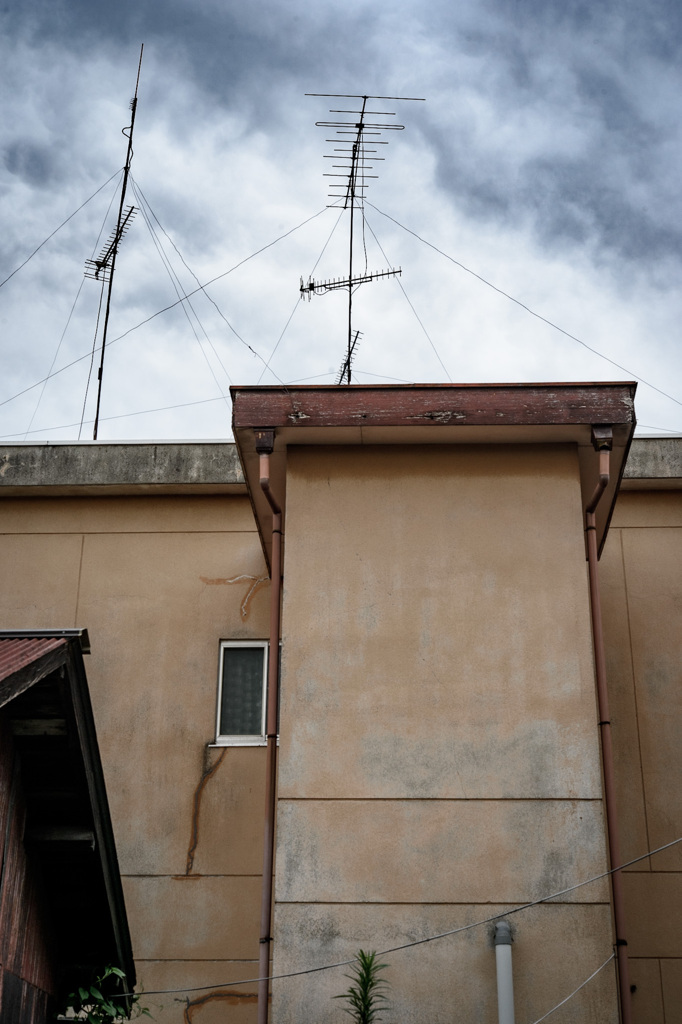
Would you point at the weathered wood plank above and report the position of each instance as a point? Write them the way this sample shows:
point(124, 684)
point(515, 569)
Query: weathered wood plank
point(434, 405)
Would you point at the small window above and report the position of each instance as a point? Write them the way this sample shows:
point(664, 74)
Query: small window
point(242, 693)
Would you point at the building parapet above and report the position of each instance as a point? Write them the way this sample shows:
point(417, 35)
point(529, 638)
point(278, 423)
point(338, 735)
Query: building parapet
point(86, 469)
point(654, 463)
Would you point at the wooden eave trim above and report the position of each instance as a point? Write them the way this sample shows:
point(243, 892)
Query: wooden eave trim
point(94, 774)
point(433, 406)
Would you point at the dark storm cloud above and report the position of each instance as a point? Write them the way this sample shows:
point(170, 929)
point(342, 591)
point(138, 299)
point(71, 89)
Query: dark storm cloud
point(33, 163)
point(574, 143)
point(550, 129)
point(234, 52)
point(596, 75)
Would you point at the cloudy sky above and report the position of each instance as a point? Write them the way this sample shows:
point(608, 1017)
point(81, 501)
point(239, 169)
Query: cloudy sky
point(545, 161)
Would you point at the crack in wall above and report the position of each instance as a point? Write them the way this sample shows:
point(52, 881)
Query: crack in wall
point(231, 998)
point(220, 581)
point(208, 772)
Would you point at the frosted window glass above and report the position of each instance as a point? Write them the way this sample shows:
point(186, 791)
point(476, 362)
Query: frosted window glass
point(241, 702)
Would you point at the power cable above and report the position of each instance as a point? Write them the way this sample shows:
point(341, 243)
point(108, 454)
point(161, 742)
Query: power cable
point(429, 938)
point(70, 217)
point(532, 312)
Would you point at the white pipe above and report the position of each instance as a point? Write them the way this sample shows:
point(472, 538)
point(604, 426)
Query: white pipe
point(505, 982)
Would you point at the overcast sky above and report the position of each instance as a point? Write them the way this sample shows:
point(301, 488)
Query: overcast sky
point(545, 159)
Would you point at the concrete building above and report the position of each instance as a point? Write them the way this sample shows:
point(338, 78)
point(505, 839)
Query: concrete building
point(440, 757)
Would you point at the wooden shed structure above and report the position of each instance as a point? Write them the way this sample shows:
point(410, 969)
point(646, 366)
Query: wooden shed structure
point(62, 913)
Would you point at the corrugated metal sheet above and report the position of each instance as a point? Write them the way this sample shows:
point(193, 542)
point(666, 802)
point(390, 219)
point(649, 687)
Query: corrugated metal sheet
point(17, 653)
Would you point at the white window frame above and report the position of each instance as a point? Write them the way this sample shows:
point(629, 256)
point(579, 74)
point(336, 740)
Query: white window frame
point(240, 740)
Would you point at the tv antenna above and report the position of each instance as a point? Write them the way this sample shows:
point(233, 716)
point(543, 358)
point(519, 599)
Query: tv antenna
point(344, 369)
point(356, 139)
point(102, 269)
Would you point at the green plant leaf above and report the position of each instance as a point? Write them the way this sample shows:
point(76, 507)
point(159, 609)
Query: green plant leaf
point(364, 996)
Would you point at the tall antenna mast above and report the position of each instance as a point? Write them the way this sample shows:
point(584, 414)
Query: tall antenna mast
point(106, 264)
point(358, 136)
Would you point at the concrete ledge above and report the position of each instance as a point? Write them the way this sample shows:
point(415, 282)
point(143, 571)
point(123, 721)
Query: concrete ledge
point(654, 463)
point(163, 468)
point(206, 467)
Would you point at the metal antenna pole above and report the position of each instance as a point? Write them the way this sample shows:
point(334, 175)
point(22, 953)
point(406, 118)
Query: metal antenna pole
point(119, 231)
point(351, 191)
point(356, 141)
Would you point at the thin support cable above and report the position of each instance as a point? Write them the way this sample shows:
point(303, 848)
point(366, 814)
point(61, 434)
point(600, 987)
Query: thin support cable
point(121, 416)
point(517, 302)
point(54, 358)
point(666, 430)
point(419, 320)
point(187, 405)
point(175, 281)
point(272, 354)
point(383, 376)
point(144, 202)
point(63, 223)
point(165, 309)
point(576, 990)
point(291, 315)
point(92, 360)
point(63, 335)
point(218, 277)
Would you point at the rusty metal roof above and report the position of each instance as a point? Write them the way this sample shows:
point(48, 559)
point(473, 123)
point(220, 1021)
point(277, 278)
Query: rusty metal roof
point(17, 653)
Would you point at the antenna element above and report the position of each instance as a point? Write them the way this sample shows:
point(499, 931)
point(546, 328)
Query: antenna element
point(103, 268)
point(356, 140)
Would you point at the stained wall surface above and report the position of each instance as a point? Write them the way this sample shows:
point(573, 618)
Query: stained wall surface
point(439, 758)
point(158, 581)
point(641, 582)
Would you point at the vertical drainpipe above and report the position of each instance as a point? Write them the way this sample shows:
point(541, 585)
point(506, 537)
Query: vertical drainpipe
point(602, 439)
point(503, 965)
point(265, 440)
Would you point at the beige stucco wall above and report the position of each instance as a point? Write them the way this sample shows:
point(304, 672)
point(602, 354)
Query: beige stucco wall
point(149, 578)
point(641, 574)
point(439, 755)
